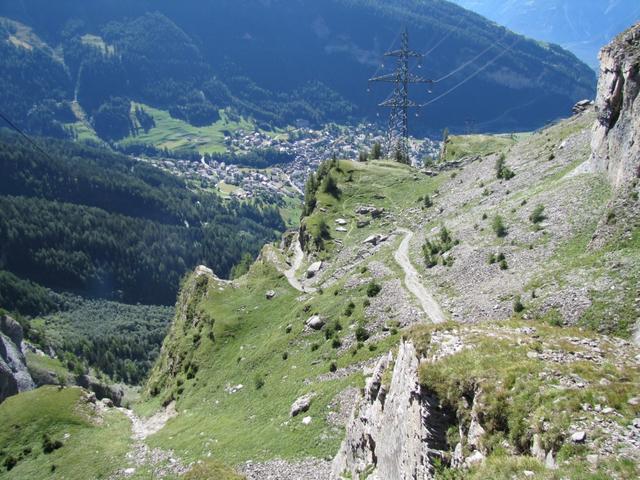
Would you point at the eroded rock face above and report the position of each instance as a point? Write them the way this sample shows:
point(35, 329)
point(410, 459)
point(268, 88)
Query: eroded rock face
point(394, 430)
point(615, 143)
point(14, 375)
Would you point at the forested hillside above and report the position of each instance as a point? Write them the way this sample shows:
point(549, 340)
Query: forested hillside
point(103, 225)
point(190, 60)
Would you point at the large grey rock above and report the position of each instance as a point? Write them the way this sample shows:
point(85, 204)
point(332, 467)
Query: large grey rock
point(313, 269)
point(101, 389)
point(615, 142)
point(536, 448)
point(391, 433)
point(301, 405)
point(316, 322)
point(14, 375)
point(12, 329)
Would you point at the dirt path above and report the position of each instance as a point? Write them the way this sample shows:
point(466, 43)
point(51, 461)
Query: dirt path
point(298, 258)
point(412, 280)
point(160, 463)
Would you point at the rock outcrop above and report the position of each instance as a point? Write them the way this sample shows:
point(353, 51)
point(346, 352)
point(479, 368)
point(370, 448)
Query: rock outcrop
point(14, 375)
point(396, 431)
point(616, 136)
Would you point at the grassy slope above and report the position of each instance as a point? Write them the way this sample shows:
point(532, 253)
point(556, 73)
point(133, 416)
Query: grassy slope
point(522, 394)
point(175, 134)
point(459, 146)
point(250, 339)
point(89, 450)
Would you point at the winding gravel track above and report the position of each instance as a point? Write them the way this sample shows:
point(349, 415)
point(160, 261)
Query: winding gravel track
point(412, 280)
point(298, 258)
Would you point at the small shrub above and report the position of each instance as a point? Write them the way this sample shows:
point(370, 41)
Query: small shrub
point(10, 462)
point(373, 347)
point(428, 203)
point(258, 382)
point(285, 355)
point(314, 347)
point(361, 334)
point(333, 367)
point(348, 311)
point(517, 304)
point(373, 289)
point(491, 259)
point(484, 216)
point(49, 445)
point(336, 343)
point(504, 265)
point(537, 216)
point(288, 329)
point(502, 171)
point(611, 218)
point(366, 303)
point(499, 227)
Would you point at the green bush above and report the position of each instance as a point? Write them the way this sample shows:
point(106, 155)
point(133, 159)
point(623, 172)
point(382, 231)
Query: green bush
point(517, 304)
point(49, 445)
point(499, 227)
point(537, 216)
point(361, 334)
point(502, 171)
point(373, 289)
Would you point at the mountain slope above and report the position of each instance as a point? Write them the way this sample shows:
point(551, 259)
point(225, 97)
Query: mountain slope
point(581, 27)
point(111, 227)
point(252, 345)
point(192, 61)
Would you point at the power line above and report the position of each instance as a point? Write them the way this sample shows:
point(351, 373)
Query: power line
point(25, 136)
point(398, 132)
point(473, 75)
point(461, 67)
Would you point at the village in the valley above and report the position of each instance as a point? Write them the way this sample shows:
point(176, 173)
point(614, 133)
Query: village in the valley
point(307, 148)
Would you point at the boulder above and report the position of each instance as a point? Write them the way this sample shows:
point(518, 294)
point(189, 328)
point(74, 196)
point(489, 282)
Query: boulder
point(341, 229)
point(14, 375)
point(375, 239)
point(475, 458)
point(581, 106)
point(341, 221)
point(11, 329)
point(101, 389)
point(579, 437)
point(363, 223)
point(316, 322)
point(270, 294)
point(550, 461)
point(202, 270)
point(536, 449)
point(301, 405)
point(313, 269)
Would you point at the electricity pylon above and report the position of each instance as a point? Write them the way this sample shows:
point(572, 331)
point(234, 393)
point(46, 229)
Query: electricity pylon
point(399, 101)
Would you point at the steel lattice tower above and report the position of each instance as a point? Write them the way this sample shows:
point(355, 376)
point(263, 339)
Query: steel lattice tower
point(398, 133)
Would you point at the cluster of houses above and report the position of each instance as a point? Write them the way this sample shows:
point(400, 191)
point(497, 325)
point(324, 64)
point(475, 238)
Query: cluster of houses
point(307, 147)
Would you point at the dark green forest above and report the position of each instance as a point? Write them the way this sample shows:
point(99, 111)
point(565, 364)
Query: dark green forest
point(103, 225)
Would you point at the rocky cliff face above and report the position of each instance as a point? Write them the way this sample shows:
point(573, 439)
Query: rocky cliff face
point(14, 376)
point(616, 137)
point(394, 430)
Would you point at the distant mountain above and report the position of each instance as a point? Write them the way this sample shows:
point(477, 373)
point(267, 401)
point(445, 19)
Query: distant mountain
point(581, 26)
point(276, 62)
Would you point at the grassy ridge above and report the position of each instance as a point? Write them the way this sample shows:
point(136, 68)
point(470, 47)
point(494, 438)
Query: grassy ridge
point(90, 449)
